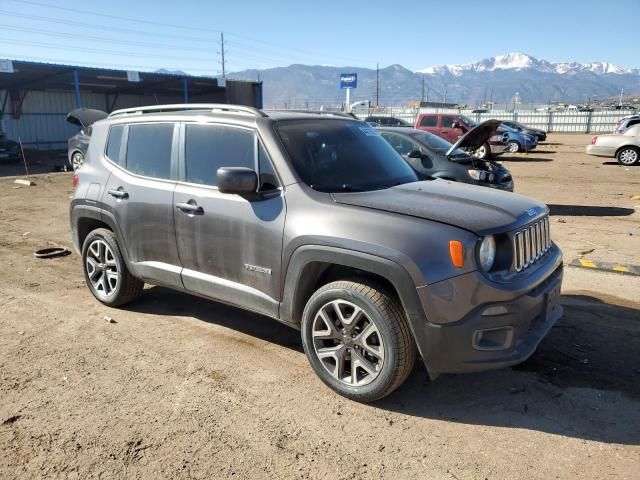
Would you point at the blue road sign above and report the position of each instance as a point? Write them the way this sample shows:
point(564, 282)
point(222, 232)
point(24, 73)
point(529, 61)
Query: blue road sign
point(348, 80)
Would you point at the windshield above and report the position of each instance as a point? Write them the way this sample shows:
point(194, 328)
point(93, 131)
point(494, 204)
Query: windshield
point(437, 144)
point(468, 122)
point(342, 155)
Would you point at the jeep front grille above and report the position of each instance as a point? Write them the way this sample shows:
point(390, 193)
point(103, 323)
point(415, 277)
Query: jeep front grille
point(530, 243)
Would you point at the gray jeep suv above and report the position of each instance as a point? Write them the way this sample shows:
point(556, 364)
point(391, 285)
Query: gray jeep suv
point(317, 222)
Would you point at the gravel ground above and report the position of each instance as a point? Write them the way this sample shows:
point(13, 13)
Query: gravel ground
point(179, 387)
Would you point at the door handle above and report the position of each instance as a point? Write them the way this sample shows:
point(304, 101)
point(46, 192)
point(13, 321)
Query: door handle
point(118, 193)
point(190, 208)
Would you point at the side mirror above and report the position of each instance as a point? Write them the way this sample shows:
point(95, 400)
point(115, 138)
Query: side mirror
point(455, 125)
point(415, 153)
point(239, 180)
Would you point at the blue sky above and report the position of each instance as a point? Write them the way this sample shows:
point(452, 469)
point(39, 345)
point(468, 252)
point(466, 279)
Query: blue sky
point(146, 34)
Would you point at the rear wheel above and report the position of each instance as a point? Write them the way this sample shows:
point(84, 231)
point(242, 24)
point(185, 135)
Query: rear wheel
point(513, 146)
point(357, 340)
point(77, 159)
point(628, 156)
point(105, 270)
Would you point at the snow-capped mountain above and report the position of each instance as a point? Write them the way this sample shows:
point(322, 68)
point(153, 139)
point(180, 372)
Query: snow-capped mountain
point(497, 79)
point(522, 61)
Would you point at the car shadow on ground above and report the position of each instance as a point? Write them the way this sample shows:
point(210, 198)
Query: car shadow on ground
point(579, 383)
point(583, 381)
point(588, 211)
point(523, 158)
point(619, 165)
point(164, 301)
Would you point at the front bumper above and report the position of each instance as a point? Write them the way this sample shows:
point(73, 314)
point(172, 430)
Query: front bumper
point(477, 325)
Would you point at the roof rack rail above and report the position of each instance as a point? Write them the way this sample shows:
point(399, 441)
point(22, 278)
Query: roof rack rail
point(316, 112)
point(207, 107)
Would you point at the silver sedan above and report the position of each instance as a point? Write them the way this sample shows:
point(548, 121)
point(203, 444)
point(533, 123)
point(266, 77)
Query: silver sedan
point(625, 148)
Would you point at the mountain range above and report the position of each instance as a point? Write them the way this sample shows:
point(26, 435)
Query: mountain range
point(498, 78)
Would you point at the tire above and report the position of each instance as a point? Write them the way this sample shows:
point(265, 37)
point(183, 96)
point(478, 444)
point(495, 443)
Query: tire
point(513, 146)
point(482, 153)
point(379, 335)
point(77, 160)
point(628, 156)
point(100, 255)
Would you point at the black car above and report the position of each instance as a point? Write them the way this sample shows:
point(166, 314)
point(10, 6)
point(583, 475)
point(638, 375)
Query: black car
point(378, 121)
point(536, 132)
point(9, 150)
point(78, 144)
point(433, 157)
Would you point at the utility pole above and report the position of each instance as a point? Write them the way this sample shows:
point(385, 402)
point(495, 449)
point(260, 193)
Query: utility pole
point(427, 97)
point(377, 84)
point(484, 99)
point(222, 54)
point(621, 92)
point(445, 96)
point(422, 98)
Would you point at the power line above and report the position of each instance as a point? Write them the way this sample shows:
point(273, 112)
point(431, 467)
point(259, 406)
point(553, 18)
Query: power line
point(287, 48)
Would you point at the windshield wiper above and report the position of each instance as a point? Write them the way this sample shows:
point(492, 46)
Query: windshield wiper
point(345, 187)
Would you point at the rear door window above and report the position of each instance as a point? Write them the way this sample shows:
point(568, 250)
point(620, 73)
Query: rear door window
point(429, 121)
point(149, 149)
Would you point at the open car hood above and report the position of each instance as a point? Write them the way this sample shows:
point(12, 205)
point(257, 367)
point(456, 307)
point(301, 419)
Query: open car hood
point(476, 137)
point(85, 117)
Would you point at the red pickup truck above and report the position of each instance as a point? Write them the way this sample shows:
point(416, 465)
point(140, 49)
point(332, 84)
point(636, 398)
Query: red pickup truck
point(451, 126)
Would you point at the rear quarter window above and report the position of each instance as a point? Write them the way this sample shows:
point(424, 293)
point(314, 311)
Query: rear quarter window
point(114, 143)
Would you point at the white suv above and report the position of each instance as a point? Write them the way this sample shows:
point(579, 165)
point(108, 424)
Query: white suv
point(625, 123)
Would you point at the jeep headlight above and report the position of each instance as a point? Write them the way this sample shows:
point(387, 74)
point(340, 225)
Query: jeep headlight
point(487, 252)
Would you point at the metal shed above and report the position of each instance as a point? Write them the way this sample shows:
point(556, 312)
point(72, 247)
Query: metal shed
point(36, 97)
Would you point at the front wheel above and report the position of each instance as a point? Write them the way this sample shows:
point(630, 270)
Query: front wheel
point(357, 340)
point(628, 156)
point(483, 153)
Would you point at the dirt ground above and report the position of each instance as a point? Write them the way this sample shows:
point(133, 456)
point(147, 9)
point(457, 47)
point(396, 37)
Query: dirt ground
point(179, 387)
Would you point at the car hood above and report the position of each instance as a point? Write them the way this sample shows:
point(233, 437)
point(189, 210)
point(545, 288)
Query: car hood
point(479, 210)
point(477, 136)
point(85, 117)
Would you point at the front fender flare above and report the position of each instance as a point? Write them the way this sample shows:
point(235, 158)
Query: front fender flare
point(399, 278)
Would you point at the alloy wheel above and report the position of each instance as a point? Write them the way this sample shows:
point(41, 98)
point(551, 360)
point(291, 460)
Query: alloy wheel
point(348, 343)
point(513, 147)
point(77, 160)
point(102, 268)
point(628, 156)
point(481, 152)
